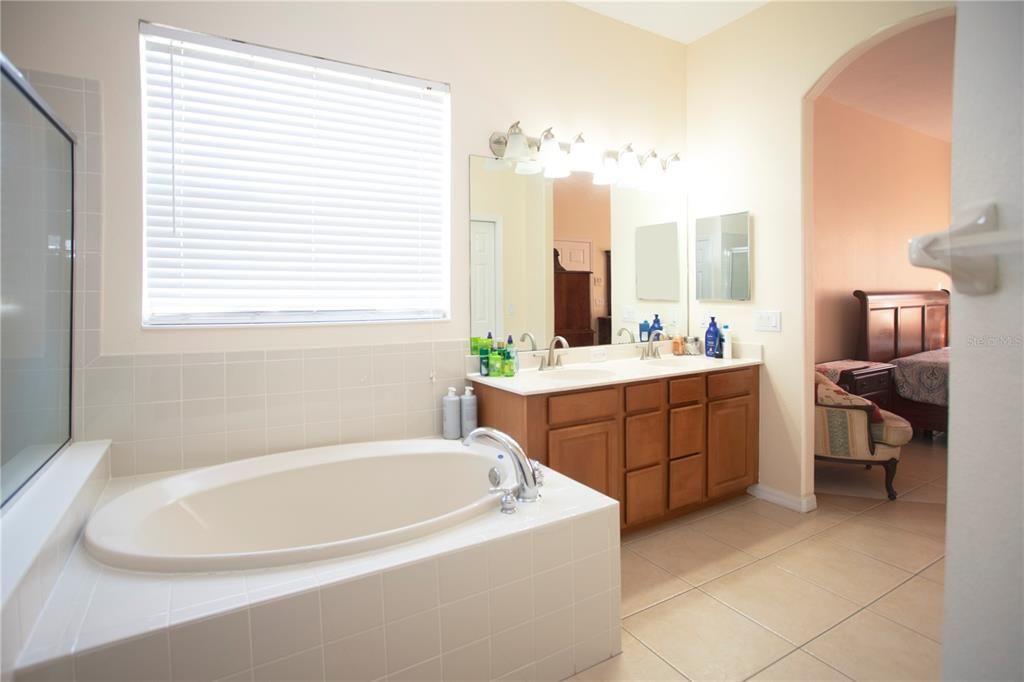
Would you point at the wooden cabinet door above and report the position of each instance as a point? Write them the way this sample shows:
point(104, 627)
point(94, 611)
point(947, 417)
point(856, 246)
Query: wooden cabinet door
point(645, 494)
point(588, 454)
point(685, 481)
point(732, 445)
point(646, 440)
point(686, 431)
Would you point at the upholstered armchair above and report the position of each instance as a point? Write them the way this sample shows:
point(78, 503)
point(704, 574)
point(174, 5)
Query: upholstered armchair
point(848, 428)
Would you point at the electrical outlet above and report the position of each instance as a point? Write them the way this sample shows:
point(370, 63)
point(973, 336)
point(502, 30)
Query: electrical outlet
point(768, 321)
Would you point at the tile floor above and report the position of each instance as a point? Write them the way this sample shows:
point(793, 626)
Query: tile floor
point(749, 590)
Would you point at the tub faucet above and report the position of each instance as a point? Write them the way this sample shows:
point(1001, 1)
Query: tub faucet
point(652, 351)
point(529, 475)
point(533, 341)
point(552, 360)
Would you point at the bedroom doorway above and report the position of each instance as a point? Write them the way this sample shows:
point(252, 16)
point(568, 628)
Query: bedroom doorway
point(880, 135)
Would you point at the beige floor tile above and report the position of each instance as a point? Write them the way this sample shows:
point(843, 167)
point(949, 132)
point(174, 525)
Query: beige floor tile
point(815, 521)
point(915, 517)
point(848, 503)
point(636, 662)
point(798, 666)
point(908, 551)
point(934, 493)
point(936, 572)
point(869, 647)
point(923, 458)
point(691, 555)
point(732, 503)
point(841, 478)
point(846, 572)
point(751, 532)
point(787, 605)
point(644, 584)
point(916, 604)
point(705, 639)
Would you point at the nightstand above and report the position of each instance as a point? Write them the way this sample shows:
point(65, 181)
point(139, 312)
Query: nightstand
point(873, 381)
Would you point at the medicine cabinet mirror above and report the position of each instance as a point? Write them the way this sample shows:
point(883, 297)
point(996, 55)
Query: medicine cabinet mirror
point(722, 249)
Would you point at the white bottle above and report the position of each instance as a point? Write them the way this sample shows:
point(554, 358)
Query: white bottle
point(468, 403)
point(726, 343)
point(451, 426)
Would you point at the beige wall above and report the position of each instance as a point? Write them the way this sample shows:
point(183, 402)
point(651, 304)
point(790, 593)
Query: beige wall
point(745, 88)
point(876, 185)
point(549, 64)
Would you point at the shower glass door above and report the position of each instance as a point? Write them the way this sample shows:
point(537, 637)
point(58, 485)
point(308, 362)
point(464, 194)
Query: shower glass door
point(36, 247)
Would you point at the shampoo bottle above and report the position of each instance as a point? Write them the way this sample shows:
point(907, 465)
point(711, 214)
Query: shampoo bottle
point(711, 339)
point(468, 403)
point(645, 331)
point(451, 426)
point(511, 362)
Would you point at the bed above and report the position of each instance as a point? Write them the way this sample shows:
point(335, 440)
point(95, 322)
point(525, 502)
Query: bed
point(910, 329)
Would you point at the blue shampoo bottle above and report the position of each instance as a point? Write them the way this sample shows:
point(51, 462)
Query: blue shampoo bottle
point(711, 339)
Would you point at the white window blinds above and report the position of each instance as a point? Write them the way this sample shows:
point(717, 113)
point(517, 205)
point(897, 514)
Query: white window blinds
point(284, 188)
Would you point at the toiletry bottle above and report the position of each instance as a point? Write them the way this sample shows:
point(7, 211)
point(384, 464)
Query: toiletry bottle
point(645, 331)
point(711, 339)
point(656, 325)
point(677, 345)
point(511, 363)
point(487, 343)
point(474, 345)
point(495, 363)
point(485, 362)
point(726, 342)
point(718, 345)
point(451, 421)
point(468, 403)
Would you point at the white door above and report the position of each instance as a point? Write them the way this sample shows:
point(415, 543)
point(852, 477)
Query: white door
point(485, 311)
point(984, 595)
point(574, 255)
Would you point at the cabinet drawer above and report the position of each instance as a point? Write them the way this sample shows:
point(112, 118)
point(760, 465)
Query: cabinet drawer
point(685, 481)
point(727, 384)
point(686, 390)
point(581, 407)
point(646, 439)
point(645, 397)
point(871, 383)
point(686, 430)
point(645, 494)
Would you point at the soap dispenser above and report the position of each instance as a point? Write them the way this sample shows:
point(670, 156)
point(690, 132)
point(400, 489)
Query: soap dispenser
point(468, 403)
point(451, 426)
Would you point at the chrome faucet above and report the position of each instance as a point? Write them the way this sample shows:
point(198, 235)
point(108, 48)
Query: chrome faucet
point(552, 361)
point(652, 351)
point(632, 338)
point(533, 341)
point(529, 475)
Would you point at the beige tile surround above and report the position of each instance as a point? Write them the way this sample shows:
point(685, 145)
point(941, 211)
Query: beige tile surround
point(749, 590)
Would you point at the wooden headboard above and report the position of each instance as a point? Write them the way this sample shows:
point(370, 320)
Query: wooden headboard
point(894, 324)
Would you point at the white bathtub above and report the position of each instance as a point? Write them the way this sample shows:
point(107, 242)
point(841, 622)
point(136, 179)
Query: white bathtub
point(294, 507)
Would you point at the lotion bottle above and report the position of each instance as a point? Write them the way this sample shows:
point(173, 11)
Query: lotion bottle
point(451, 426)
point(468, 402)
point(726, 342)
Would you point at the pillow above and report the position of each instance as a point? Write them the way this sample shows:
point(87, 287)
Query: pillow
point(830, 395)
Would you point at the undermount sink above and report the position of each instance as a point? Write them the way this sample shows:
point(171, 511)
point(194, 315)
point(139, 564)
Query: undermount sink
point(576, 374)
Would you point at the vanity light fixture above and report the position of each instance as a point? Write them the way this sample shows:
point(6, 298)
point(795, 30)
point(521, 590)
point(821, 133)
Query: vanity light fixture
point(674, 167)
point(608, 172)
point(581, 156)
point(517, 146)
point(552, 157)
point(528, 167)
point(653, 173)
point(629, 167)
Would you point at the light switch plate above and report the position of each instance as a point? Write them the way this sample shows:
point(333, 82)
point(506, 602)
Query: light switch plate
point(629, 314)
point(768, 321)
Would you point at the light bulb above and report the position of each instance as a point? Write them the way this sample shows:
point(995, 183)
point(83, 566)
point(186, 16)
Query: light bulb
point(652, 170)
point(675, 169)
point(608, 172)
point(528, 167)
point(629, 167)
point(516, 145)
point(581, 156)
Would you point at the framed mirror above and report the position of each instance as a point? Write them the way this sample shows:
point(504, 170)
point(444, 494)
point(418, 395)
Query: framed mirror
point(570, 258)
point(722, 257)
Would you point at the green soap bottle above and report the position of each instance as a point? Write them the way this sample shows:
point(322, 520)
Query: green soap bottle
point(510, 361)
point(495, 363)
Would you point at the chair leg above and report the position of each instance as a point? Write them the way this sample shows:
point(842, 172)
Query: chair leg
point(890, 474)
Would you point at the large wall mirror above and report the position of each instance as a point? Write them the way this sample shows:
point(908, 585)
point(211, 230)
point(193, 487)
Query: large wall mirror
point(570, 258)
point(722, 250)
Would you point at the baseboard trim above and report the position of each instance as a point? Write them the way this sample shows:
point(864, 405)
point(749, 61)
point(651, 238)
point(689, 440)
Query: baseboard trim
point(801, 504)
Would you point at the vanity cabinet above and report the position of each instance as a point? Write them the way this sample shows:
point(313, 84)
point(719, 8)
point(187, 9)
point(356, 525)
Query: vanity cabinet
point(661, 447)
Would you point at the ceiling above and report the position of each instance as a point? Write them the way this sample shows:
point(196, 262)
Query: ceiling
point(907, 79)
point(680, 21)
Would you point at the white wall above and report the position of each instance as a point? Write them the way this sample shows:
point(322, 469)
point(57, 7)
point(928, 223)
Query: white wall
point(549, 64)
point(745, 86)
point(984, 604)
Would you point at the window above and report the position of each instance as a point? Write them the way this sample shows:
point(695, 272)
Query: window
point(283, 188)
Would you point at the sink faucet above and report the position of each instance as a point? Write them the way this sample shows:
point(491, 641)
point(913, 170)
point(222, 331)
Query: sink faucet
point(652, 351)
point(533, 341)
point(552, 361)
point(632, 338)
point(529, 476)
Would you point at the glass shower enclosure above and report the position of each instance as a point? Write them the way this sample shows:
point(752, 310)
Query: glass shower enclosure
point(37, 161)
